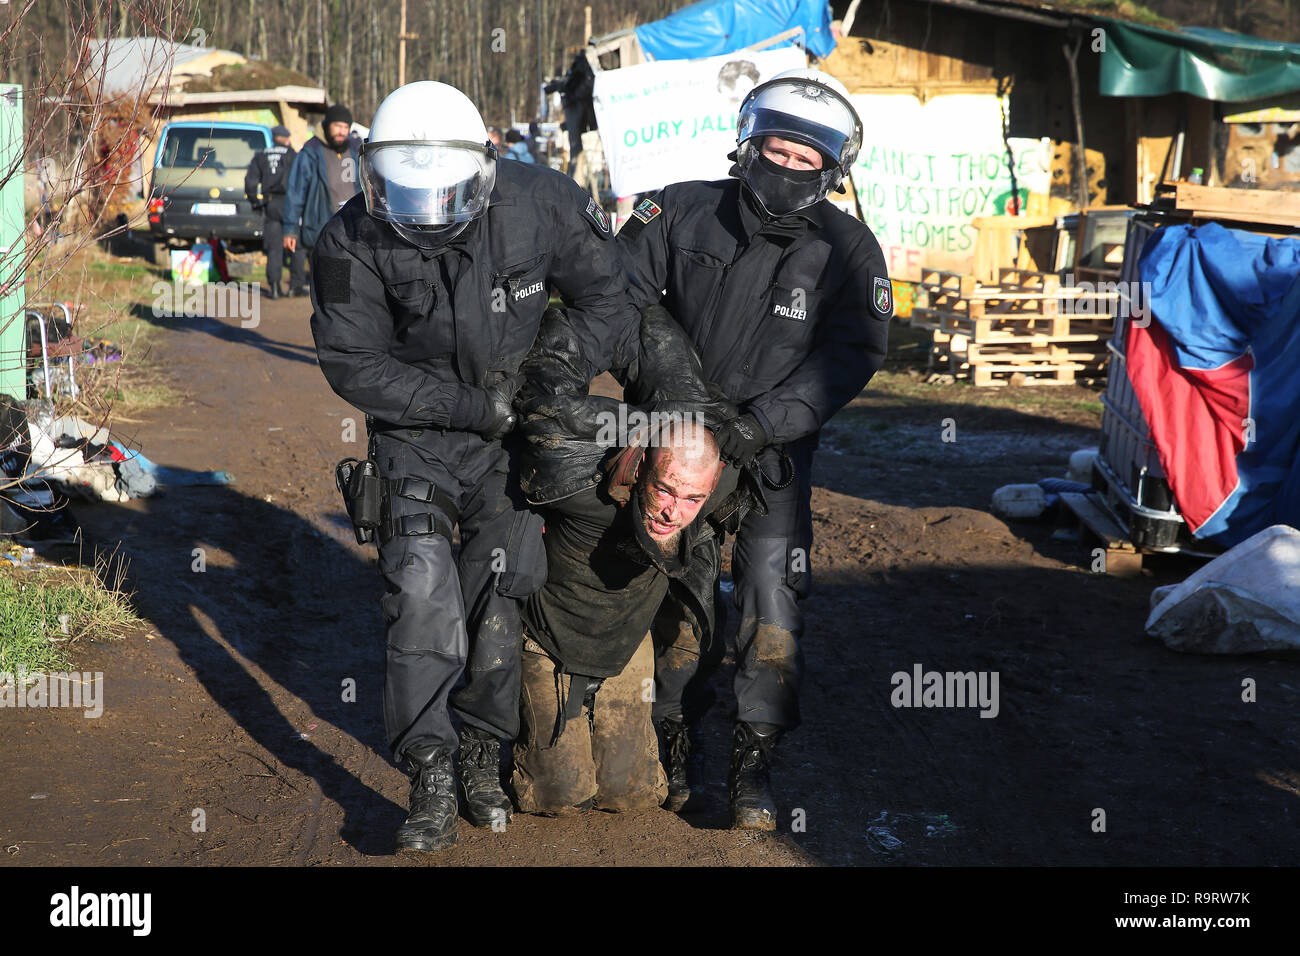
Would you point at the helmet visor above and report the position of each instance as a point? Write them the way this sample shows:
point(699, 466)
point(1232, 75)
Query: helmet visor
point(808, 113)
point(762, 122)
point(426, 182)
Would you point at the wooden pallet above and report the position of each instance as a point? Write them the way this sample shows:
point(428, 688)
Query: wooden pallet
point(987, 327)
point(1024, 329)
point(1028, 280)
point(937, 280)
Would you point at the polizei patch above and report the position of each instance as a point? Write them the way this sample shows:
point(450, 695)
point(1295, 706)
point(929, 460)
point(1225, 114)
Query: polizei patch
point(646, 210)
point(526, 291)
point(882, 295)
point(597, 215)
point(790, 312)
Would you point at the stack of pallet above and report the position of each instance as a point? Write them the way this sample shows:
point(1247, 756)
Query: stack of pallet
point(1025, 329)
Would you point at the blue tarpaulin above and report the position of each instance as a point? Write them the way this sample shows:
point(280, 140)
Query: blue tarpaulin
point(1217, 378)
point(715, 27)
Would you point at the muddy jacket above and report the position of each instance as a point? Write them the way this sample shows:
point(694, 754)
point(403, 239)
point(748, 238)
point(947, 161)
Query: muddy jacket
point(605, 580)
point(790, 319)
point(412, 338)
point(570, 433)
point(606, 577)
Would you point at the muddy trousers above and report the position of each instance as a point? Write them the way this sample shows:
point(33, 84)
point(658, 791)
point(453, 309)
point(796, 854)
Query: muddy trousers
point(771, 574)
point(608, 756)
point(449, 614)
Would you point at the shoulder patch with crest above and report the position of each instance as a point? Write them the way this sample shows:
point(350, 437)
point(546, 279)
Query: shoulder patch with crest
point(882, 295)
point(646, 210)
point(598, 216)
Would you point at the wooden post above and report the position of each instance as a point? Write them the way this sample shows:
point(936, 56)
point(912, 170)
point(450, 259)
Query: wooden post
point(401, 48)
point(1081, 160)
point(586, 25)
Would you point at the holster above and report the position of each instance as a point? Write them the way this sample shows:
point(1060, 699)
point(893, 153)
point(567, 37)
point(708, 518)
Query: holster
point(363, 494)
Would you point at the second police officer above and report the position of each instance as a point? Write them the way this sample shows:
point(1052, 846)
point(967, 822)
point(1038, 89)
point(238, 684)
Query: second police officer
point(788, 302)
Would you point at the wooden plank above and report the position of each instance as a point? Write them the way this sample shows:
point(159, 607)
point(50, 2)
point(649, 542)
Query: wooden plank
point(983, 376)
point(1056, 325)
point(1121, 558)
point(1233, 216)
point(1097, 519)
point(954, 282)
point(1025, 279)
point(1250, 205)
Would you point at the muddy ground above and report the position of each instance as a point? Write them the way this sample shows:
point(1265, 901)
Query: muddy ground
point(227, 709)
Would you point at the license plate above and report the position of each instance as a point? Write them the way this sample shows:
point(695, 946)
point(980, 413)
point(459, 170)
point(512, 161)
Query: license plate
point(213, 209)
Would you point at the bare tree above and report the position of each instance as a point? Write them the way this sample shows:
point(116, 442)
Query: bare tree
point(81, 138)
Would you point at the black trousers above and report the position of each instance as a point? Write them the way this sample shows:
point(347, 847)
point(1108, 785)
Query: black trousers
point(771, 574)
point(452, 614)
point(273, 246)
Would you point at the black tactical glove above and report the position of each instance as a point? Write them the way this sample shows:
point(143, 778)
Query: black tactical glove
point(740, 439)
point(501, 415)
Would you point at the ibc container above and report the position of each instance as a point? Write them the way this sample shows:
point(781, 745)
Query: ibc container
point(1127, 470)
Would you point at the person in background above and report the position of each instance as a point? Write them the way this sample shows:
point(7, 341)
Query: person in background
point(265, 186)
point(535, 142)
point(517, 148)
point(323, 178)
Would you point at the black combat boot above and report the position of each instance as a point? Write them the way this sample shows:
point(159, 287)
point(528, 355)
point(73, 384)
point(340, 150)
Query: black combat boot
point(486, 804)
point(432, 823)
point(752, 806)
point(675, 752)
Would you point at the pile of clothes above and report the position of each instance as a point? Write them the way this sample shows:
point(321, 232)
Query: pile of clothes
point(48, 459)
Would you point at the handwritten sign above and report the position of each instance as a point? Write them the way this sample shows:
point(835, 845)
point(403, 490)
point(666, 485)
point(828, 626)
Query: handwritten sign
point(675, 120)
point(926, 170)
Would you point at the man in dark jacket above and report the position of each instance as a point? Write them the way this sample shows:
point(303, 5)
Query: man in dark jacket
point(428, 292)
point(788, 302)
point(265, 185)
point(624, 489)
point(323, 178)
point(611, 552)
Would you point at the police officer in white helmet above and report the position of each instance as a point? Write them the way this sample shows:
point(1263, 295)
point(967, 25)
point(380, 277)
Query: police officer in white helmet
point(428, 290)
point(788, 302)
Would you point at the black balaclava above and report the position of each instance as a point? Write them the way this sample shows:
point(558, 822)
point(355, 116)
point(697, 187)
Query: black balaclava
point(782, 191)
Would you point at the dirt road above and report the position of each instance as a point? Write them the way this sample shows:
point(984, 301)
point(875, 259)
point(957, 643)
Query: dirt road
point(227, 739)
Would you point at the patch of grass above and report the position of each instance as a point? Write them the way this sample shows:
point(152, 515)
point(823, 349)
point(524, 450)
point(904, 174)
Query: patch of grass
point(118, 297)
point(45, 611)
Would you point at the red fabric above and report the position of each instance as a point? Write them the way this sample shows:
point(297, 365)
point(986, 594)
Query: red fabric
point(1196, 418)
point(219, 259)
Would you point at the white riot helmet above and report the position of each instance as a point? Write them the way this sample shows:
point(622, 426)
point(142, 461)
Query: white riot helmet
point(804, 106)
point(427, 167)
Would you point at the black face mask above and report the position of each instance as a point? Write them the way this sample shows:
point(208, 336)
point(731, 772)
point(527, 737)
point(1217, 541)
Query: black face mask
point(431, 239)
point(780, 190)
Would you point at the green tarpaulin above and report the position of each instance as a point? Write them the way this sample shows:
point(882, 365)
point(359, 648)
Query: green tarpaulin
point(1212, 64)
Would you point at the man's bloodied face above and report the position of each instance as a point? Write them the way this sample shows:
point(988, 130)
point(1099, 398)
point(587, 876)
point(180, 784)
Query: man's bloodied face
point(677, 482)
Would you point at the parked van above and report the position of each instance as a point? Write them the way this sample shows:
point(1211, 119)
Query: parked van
point(198, 185)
